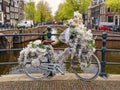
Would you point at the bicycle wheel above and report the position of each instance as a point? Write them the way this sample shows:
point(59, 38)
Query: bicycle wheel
point(86, 70)
point(36, 73)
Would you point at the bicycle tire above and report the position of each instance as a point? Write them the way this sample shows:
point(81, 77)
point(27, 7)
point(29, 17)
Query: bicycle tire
point(35, 73)
point(91, 72)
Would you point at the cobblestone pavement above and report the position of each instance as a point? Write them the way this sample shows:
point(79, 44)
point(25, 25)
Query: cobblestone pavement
point(59, 82)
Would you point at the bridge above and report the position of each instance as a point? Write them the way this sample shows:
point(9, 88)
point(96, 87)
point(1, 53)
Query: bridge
point(9, 36)
point(69, 81)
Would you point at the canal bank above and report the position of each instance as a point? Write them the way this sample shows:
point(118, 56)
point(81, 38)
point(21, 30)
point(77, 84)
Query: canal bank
point(59, 82)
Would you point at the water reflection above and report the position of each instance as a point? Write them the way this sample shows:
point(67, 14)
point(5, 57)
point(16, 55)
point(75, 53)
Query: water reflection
point(6, 57)
point(54, 31)
point(10, 56)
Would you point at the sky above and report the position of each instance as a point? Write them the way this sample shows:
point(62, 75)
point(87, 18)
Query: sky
point(53, 4)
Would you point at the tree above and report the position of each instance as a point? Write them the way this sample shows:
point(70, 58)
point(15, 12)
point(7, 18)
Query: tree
point(41, 12)
point(114, 4)
point(64, 12)
point(67, 8)
point(30, 10)
point(79, 5)
point(44, 11)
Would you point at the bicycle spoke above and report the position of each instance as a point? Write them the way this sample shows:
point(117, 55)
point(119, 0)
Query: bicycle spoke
point(84, 70)
point(36, 73)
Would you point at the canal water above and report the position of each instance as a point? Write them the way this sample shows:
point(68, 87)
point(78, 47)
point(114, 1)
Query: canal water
point(12, 56)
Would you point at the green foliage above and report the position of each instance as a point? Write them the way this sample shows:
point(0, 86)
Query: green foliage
point(36, 14)
point(65, 11)
point(114, 4)
point(73, 34)
point(30, 10)
point(67, 8)
point(44, 11)
point(79, 5)
point(40, 45)
point(90, 44)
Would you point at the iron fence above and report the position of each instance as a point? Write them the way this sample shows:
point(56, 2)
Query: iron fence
point(103, 49)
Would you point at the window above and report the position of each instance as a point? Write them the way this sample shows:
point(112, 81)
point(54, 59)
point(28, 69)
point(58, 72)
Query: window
point(16, 9)
point(110, 18)
point(0, 16)
point(116, 20)
point(102, 18)
point(8, 16)
point(11, 15)
point(0, 7)
point(108, 9)
point(11, 8)
point(7, 9)
point(104, 10)
point(0, 1)
point(16, 16)
point(11, 2)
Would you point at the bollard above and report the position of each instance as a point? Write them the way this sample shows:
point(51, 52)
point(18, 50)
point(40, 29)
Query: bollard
point(49, 33)
point(103, 62)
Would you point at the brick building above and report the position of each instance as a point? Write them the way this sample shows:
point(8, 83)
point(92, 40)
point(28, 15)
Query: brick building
point(11, 11)
point(101, 15)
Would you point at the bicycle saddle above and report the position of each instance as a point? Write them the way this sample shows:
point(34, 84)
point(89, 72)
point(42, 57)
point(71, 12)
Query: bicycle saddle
point(46, 42)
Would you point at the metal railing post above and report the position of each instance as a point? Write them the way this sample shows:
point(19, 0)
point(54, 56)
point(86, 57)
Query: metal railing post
point(49, 33)
point(103, 62)
point(43, 37)
point(20, 40)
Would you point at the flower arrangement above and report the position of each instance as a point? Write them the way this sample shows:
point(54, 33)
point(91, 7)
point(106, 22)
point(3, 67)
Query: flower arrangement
point(34, 52)
point(80, 33)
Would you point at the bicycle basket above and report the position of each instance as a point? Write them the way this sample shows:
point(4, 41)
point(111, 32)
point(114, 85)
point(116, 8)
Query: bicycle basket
point(65, 36)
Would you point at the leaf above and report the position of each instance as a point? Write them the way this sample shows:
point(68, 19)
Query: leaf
point(88, 64)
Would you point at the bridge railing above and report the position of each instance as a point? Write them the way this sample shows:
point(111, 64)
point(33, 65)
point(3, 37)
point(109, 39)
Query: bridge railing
point(103, 49)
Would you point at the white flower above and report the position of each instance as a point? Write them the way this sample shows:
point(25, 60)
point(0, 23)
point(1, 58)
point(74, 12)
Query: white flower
point(37, 42)
point(29, 45)
point(94, 49)
point(79, 31)
point(78, 18)
point(42, 50)
point(35, 63)
point(32, 52)
point(84, 36)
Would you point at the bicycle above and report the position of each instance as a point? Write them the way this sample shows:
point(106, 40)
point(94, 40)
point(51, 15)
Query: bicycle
point(85, 67)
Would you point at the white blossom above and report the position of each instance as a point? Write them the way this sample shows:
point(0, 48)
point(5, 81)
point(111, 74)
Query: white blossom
point(35, 62)
point(32, 53)
point(37, 42)
point(85, 35)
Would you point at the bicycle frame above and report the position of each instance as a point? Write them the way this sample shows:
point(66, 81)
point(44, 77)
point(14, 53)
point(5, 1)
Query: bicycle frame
point(55, 65)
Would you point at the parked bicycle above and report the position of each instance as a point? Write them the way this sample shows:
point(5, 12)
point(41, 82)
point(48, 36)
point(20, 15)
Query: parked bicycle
point(48, 64)
point(40, 61)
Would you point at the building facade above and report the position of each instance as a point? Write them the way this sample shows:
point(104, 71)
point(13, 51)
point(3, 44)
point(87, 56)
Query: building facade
point(11, 11)
point(101, 15)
